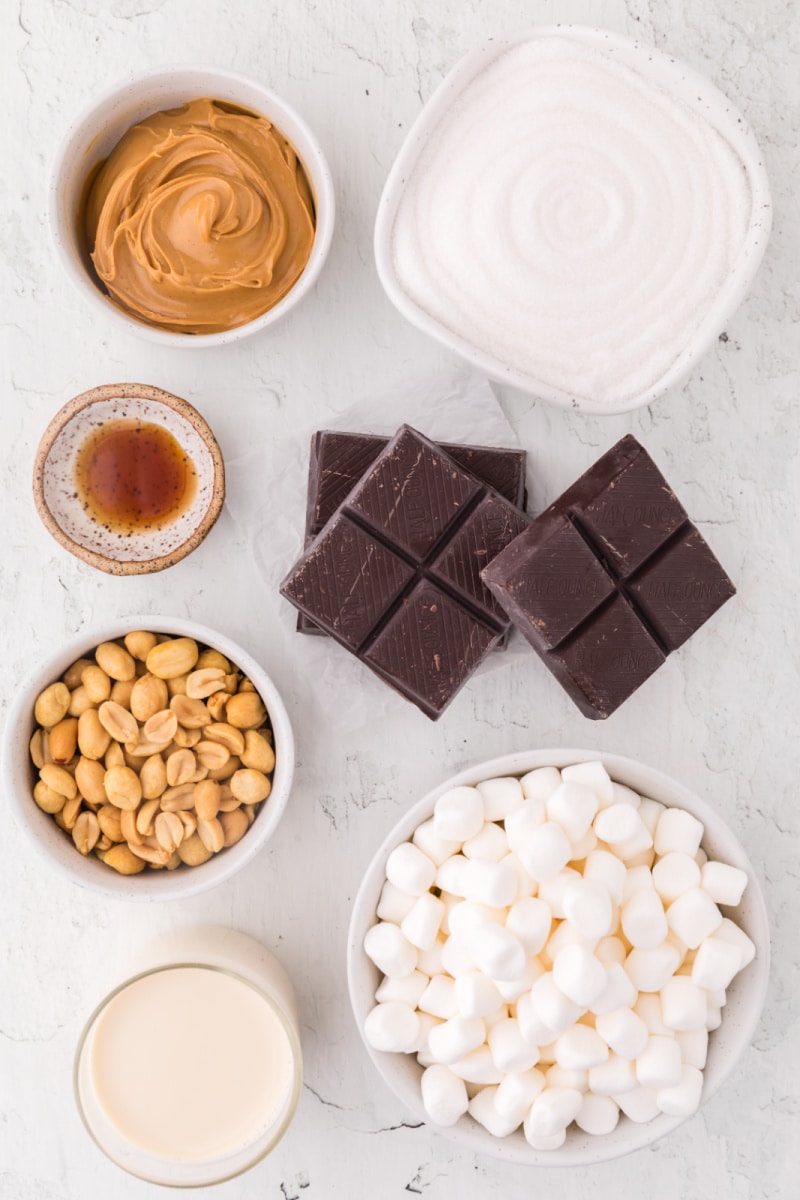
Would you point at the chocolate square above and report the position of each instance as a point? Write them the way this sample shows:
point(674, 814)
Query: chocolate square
point(437, 526)
point(653, 576)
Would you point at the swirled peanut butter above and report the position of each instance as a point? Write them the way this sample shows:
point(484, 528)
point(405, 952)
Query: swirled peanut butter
point(201, 219)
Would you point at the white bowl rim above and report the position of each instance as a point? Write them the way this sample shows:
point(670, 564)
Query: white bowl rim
point(153, 886)
point(595, 1149)
point(714, 106)
point(316, 167)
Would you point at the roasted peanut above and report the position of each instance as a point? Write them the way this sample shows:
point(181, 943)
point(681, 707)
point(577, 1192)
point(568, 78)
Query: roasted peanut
point(206, 799)
point(161, 727)
point(193, 852)
point(249, 786)
point(211, 834)
point(174, 861)
point(104, 843)
point(86, 833)
point(232, 739)
point(58, 779)
point(226, 770)
point(153, 777)
point(122, 787)
point(180, 767)
point(145, 816)
point(89, 776)
point(117, 721)
point(151, 854)
point(62, 740)
point(212, 755)
point(110, 821)
point(48, 800)
point(249, 812)
point(36, 747)
point(136, 751)
point(169, 831)
point(232, 683)
point(234, 826)
point(186, 738)
point(245, 710)
point(189, 822)
point(168, 660)
point(72, 675)
point(139, 643)
point(149, 695)
point(213, 658)
point(127, 824)
point(176, 799)
point(52, 705)
point(93, 739)
point(177, 686)
point(96, 683)
point(247, 685)
point(228, 802)
point(258, 753)
point(122, 859)
point(191, 714)
point(115, 661)
point(114, 756)
point(216, 705)
point(70, 813)
point(200, 684)
point(79, 701)
point(121, 692)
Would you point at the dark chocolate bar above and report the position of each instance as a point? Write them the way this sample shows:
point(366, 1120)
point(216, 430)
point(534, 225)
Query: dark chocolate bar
point(338, 460)
point(609, 580)
point(394, 575)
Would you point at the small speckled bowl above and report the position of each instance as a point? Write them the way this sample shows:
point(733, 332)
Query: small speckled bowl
point(61, 510)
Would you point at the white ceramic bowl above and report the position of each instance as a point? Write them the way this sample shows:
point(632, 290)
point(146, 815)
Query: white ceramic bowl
point(18, 773)
point(92, 136)
point(673, 77)
point(740, 1016)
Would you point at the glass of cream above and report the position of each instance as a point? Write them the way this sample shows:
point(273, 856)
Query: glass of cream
point(189, 1073)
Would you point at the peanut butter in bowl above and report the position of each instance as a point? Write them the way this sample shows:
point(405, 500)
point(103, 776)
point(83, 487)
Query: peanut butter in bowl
point(201, 219)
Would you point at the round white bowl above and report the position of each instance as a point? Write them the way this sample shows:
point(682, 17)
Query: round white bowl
point(678, 80)
point(18, 773)
point(95, 132)
point(740, 1016)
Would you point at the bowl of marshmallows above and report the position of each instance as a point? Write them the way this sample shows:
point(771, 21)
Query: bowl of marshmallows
point(556, 957)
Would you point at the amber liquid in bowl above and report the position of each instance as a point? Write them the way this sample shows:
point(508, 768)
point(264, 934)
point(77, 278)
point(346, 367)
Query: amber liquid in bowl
point(133, 476)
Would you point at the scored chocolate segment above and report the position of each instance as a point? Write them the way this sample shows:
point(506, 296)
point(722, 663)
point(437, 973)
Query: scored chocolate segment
point(609, 579)
point(437, 521)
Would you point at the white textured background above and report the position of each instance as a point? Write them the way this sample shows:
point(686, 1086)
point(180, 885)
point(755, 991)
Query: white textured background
point(721, 715)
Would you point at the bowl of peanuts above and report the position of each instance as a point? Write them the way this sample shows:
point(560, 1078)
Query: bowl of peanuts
point(148, 759)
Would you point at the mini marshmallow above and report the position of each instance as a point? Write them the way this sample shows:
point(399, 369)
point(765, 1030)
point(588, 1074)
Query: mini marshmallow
point(409, 869)
point(426, 1024)
point(580, 1048)
point(613, 1077)
point(404, 989)
point(643, 920)
point(674, 874)
point(540, 783)
point(476, 995)
point(623, 1031)
point(649, 969)
point(530, 920)
point(524, 820)
point(603, 867)
point(585, 846)
point(659, 1064)
point(594, 776)
point(579, 975)
point(644, 858)
point(509, 1049)
point(500, 797)
point(421, 924)
point(610, 950)
point(547, 1055)
point(497, 952)
point(724, 884)
point(511, 989)
point(729, 931)
point(713, 1017)
point(467, 916)
point(637, 849)
point(683, 1098)
point(535, 1031)
point(618, 824)
point(439, 998)
point(499, 1014)
point(573, 806)
point(437, 848)
point(482, 1109)
point(391, 952)
point(458, 814)
point(491, 843)
point(391, 1027)
point(477, 1067)
point(678, 830)
point(552, 1111)
point(550, 1005)
point(597, 1115)
point(639, 1105)
point(394, 905)
point(648, 1007)
point(636, 880)
point(587, 906)
point(694, 916)
point(552, 891)
point(456, 958)
point(650, 814)
point(621, 794)
point(715, 964)
point(448, 874)
point(526, 884)
point(516, 1093)
point(430, 961)
point(544, 851)
point(619, 991)
point(694, 1047)
point(565, 934)
point(456, 1037)
point(444, 1095)
point(683, 1004)
point(491, 883)
point(557, 1076)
